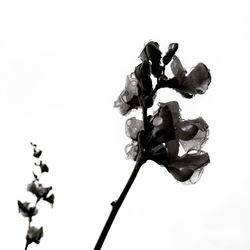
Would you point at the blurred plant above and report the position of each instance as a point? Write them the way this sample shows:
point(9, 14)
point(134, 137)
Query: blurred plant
point(41, 193)
point(157, 137)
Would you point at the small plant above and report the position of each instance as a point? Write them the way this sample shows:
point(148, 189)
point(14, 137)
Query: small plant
point(40, 192)
point(157, 137)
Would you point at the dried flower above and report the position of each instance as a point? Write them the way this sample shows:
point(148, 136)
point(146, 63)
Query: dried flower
point(132, 150)
point(159, 136)
point(196, 82)
point(189, 167)
point(197, 138)
point(132, 127)
point(44, 168)
point(128, 99)
point(168, 132)
point(172, 48)
point(198, 79)
point(50, 199)
point(34, 235)
point(142, 73)
point(26, 210)
point(163, 123)
point(151, 52)
point(138, 88)
point(38, 190)
point(36, 153)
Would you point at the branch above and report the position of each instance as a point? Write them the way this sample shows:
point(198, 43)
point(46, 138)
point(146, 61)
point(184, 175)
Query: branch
point(117, 204)
point(26, 246)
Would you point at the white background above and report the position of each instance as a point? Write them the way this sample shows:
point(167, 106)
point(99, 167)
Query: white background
point(62, 65)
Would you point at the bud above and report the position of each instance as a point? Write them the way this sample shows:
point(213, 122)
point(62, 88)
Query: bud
point(151, 52)
point(172, 48)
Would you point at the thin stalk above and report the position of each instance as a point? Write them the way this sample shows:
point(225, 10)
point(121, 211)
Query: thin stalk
point(141, 159)
point(30, 220)
point(117, 204)
point(144, 115)
point(26, 246)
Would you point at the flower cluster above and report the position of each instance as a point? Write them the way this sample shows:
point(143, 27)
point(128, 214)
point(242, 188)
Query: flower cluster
point(166, 131)
point(41, 193)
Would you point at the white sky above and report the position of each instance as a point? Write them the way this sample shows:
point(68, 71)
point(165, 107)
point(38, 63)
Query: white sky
point(62, 65)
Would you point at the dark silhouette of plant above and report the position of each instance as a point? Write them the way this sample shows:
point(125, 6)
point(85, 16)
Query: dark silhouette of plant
point(41, 193)
point(157, 137)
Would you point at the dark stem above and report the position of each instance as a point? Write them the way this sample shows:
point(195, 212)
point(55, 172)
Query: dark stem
point(30, 220)
point(26, 246)
point(144, 115)
point(37, 200)
point(144, 111)
point(141, 159)
point(117, 204)
point(163, 70)
point(158, 84)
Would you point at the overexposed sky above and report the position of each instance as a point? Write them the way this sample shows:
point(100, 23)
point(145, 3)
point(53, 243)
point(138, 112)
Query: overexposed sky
point(62, 65)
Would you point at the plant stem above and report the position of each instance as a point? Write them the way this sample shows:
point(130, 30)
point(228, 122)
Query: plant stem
point(26, 246)
point(141, 159)
point(117, 204)
point(144, 116)
point(30, 220)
